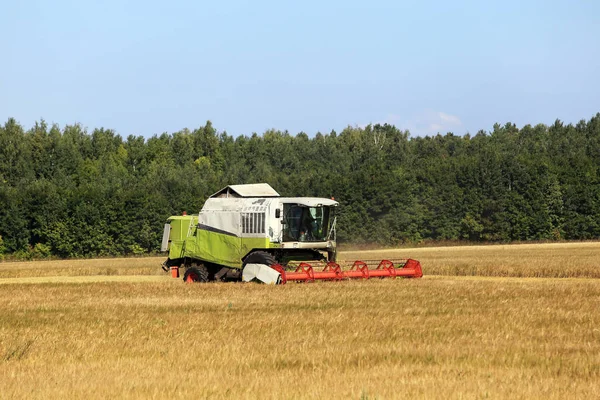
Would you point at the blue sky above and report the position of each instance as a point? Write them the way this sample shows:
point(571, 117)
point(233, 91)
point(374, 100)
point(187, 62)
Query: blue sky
point(147, 67)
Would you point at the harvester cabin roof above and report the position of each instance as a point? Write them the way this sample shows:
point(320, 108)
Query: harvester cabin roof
point(309, 201)
point(248, 190)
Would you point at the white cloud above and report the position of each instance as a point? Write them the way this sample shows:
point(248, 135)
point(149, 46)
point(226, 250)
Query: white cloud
point(433, 122)
point(435, 127)
point(450, 119)
point(426, 122)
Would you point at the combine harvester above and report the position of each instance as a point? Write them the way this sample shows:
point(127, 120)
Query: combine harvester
point(250, 233)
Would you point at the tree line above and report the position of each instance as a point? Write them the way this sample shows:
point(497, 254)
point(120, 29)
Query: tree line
point(67, 192)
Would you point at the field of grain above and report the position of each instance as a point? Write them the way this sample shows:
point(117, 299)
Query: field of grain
point(144, 335)
point(550, 260)
point(94, 267)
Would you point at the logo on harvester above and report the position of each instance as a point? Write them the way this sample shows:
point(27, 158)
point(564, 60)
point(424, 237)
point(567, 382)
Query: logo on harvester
point(260, 201)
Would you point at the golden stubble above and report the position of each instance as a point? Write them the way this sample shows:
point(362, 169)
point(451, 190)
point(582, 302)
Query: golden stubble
point(549, 260)
point(560, 260)
point(440, 336)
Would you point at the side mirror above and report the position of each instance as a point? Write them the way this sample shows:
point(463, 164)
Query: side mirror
point(277, 213)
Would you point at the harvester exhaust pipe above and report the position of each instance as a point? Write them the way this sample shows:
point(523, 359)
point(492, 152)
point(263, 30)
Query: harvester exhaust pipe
point(359, 270)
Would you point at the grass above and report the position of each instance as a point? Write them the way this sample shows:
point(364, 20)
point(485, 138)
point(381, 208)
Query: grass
point(442, 336)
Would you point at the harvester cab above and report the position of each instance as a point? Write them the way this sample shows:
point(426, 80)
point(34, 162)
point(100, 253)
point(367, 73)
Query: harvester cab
point(307, 225)
point(251, 233)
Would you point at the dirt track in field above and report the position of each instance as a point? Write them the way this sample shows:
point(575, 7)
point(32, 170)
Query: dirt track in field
point(84, 279)
point(166, 279)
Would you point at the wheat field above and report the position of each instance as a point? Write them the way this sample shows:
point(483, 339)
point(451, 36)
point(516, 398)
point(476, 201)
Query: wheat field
point(552, 260)
point(133, 332)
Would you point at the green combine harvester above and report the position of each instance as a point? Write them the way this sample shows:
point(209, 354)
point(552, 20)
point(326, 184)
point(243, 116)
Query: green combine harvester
point(243, 230)
point(250, 233)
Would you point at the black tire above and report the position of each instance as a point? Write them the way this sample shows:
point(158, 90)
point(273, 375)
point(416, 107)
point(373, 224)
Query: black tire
point(260, 257)
point(197, 273)
point(332, 256)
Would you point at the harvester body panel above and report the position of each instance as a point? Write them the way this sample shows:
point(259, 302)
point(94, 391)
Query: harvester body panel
point(229, 226)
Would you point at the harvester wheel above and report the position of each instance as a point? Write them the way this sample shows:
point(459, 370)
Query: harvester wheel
point(260, 257)
point(197, 273)
point(256, 268)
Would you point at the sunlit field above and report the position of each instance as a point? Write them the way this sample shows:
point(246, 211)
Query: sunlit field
point(560, 260)
point(101, 267)
point(484, 322)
